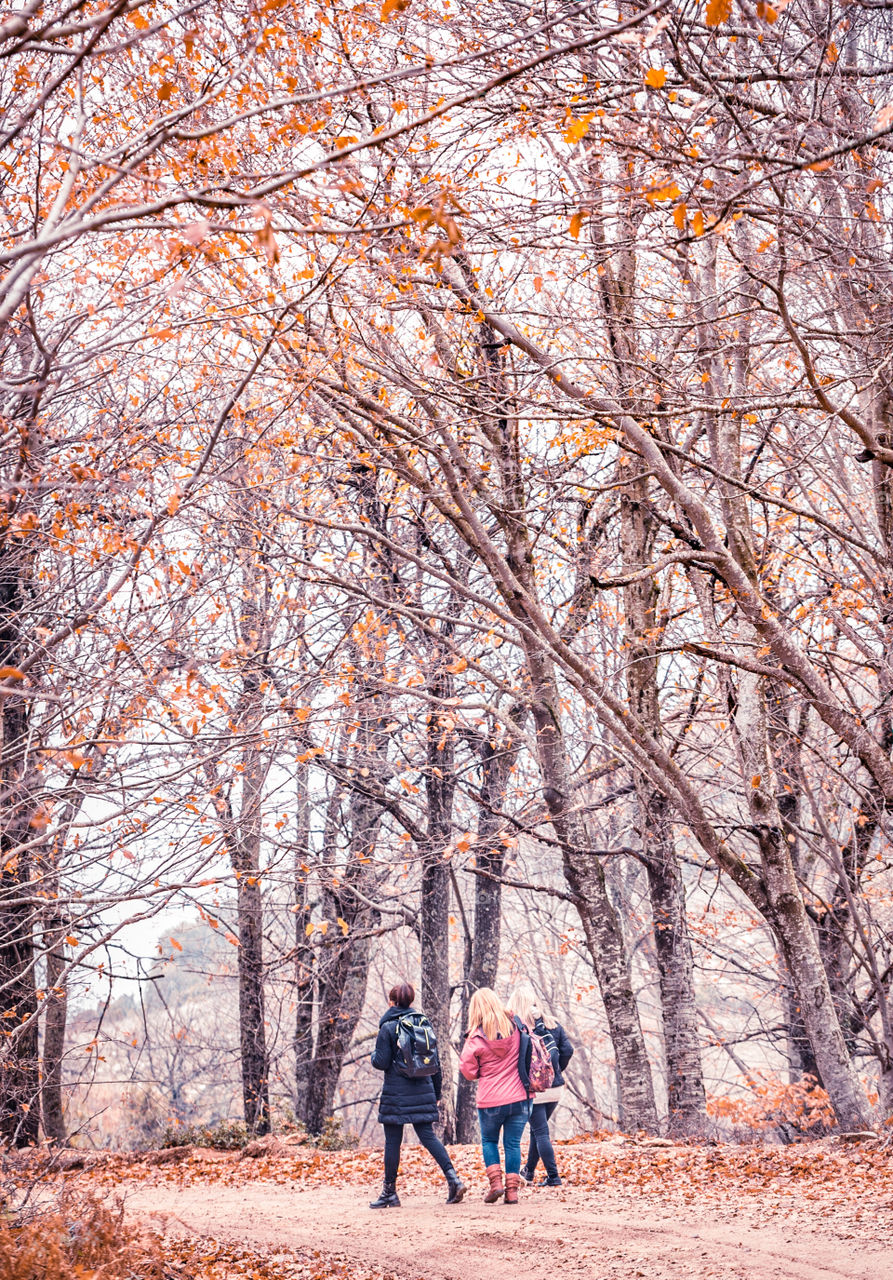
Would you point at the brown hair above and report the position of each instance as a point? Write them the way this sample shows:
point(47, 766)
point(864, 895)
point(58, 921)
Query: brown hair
point(402, 995)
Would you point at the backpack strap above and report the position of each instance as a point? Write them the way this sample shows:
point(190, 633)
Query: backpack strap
point(524, 1052)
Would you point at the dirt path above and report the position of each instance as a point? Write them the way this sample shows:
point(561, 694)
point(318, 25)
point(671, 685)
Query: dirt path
point(564, 1233)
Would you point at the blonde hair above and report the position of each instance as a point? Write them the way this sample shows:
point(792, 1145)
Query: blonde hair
point(485, 1011)
point(522, 1002)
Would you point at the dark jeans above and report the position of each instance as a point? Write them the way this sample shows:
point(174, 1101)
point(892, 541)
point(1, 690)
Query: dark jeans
point(393, 1138)
point(511, 1119)
point(540, 1141)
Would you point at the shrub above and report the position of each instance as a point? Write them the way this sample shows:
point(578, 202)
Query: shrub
point(335, 1137)
point(226, 1135)
point(800, 1109)
point(79, 1237)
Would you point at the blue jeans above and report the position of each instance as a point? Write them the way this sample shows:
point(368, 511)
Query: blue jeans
point(511, 1118)
point(540, 1141)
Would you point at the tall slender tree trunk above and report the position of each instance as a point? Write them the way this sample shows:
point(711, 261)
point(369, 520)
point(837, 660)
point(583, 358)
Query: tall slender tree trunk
point(305, 956)
point(497, 756)
point(252, 1025)
point(55, 1016)
point(245, 853)
point(686, 1099)
point(434, 912)
point(339, 1012)
point(585, 877)
point(344, 963)
point(19, 1046)
point(788, 915)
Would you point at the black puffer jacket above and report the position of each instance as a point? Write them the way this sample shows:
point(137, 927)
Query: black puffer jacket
point(403, 1101)
point(564, 1050)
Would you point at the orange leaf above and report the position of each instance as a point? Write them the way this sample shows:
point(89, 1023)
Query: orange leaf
point(71, 940)
point(175, 943)
point(576, 224)
point(537, 283)
point(679, 215)
point(577, 128)
point(669, 191)
point(393, 6)
point(655, 78)
point(697, 222)
point(718, 12)
point(11, 673)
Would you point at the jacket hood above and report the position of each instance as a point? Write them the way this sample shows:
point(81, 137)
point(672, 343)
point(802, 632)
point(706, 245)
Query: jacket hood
point(499, 1048)
point(391, 1015)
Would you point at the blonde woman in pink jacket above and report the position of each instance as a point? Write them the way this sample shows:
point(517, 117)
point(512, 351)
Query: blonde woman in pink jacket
point(497, 1055)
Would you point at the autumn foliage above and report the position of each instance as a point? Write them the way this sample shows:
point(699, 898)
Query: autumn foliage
point(446, 528)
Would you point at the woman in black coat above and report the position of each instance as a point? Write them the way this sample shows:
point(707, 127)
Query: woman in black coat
point(405, 1100)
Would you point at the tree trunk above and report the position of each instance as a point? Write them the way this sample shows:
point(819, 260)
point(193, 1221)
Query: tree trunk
point(497, 757)
point(19, 1047)
point(686, 1099)
point(788, 915)
point(55, 1015)
point(246, 863)
point(434, 913)
point(304, 952)
point(601, 925)
point(343, 966)
point(252, 1029)
point(339, 1012)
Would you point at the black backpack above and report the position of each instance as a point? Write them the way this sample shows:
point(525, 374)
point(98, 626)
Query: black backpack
point(417, 1054)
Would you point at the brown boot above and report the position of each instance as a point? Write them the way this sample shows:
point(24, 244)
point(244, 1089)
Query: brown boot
point(512, 1183)
point(497, 1187)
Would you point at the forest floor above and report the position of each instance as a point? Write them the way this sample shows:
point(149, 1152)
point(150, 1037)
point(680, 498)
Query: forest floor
point(815, 1211)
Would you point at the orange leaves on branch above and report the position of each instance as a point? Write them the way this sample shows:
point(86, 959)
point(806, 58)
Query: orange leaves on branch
point(718, 12)
point(578, 129)
point(663, 191)
point(264, 238)
point(437, 214)
point(390, 7)
point(20, 525)
point(655, 78)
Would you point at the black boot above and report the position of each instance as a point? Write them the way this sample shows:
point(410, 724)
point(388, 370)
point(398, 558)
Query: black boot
point(388, 1198)
point(456, 1185)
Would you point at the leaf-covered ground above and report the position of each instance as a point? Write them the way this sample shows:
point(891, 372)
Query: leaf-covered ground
point(808, 1212)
